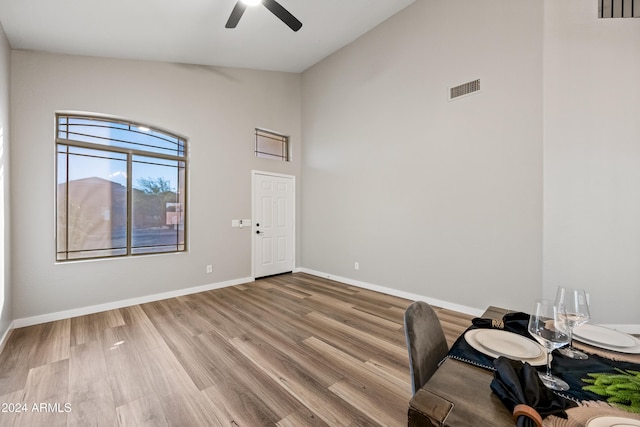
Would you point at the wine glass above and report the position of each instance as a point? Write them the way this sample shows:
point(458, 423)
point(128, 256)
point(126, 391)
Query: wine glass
point(545, 327)
point(574, 311)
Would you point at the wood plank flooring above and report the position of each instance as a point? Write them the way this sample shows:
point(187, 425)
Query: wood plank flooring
point(289, 350)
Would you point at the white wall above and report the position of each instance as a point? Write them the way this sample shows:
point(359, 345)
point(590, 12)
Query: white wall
point(6, 312)
point(435, 198)
point(217, 109)
point(592, 157)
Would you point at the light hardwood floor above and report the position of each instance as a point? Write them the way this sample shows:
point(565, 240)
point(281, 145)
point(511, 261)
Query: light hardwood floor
point(289, 350)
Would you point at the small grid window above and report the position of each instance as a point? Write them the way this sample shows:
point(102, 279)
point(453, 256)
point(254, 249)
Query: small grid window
point(271, 145)
point(121, 189)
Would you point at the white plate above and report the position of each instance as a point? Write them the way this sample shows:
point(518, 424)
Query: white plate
point(472, 338)
point(602, 335)
point(612, 422)
point(508, 344)
point(627, 350)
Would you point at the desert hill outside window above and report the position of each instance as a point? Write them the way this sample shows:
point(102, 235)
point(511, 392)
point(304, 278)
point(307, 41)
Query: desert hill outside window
point(121, 189)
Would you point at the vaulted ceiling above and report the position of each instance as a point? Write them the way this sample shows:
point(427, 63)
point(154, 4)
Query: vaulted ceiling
point(192, 31)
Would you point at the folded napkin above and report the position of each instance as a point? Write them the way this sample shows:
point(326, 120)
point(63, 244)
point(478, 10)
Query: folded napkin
point(511, 322)
point(520, 389)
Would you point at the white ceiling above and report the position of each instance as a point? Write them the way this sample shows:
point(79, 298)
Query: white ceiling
point(192, 31)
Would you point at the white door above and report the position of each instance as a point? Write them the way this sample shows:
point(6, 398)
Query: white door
point(273, 223)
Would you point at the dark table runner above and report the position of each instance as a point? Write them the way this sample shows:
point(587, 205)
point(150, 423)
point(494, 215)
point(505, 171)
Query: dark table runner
point(570, 370)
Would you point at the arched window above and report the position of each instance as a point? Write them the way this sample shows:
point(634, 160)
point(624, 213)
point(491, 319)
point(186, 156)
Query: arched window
point(121, 189)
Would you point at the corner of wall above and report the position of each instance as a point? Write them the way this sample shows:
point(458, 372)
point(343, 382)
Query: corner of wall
point(6, 306)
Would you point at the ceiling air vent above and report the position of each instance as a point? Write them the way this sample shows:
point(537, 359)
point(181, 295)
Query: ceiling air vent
point(619, 8)
point(464, 89)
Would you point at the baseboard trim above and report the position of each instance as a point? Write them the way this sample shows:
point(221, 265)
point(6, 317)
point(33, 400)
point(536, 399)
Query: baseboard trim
point(6, 334)
point(472, 311)
point(50, 317)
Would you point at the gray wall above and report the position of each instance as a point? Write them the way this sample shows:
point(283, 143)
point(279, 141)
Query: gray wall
point(497, 198)
point(592, 157)
point(435, 198)
point(6, 312)
point(216, 109)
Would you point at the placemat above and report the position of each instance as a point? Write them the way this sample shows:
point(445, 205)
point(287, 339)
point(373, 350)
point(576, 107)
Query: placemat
point(578, 417)
point(572, 371)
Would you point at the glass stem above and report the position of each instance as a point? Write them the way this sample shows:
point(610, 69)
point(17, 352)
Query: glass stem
point(570, 333)
point(548, 363)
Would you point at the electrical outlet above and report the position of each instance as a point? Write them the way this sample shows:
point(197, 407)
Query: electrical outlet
point(209, 268)
point(356, 265)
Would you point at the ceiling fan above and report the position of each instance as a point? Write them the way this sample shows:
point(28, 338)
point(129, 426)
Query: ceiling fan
point(276, 8)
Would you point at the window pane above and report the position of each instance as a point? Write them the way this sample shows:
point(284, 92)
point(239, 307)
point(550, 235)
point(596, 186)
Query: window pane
point(157, 206)
point(97, 253)
point(94, 212)
point(61, 202)
point(122, 135)
point(271, 145)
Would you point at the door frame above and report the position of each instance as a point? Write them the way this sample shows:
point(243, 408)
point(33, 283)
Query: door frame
point(253, 218)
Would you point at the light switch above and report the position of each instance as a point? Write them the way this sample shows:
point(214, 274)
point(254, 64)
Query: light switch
point(245, 222)
point(235, 223)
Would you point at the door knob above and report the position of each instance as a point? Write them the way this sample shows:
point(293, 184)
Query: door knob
point(258, 232)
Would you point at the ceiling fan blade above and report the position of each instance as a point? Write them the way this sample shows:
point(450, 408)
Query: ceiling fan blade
point(282, 13)
point(236, 14)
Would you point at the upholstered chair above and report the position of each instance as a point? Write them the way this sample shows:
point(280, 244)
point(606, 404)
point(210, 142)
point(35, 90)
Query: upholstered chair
point(425, 341)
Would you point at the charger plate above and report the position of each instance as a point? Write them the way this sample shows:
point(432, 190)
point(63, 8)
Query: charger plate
point(632, 350)
point(605, 336)
point(496, 343)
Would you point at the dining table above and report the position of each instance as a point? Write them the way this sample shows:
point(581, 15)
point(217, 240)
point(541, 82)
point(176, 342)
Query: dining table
point(459, 394)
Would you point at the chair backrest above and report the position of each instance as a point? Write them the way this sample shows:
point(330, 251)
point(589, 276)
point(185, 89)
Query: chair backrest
point(425, 341)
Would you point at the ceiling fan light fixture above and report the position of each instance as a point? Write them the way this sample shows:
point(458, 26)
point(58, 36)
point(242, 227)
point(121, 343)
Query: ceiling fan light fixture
point(274, 7)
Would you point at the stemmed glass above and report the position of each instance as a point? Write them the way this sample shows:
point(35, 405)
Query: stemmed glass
point(574, 311)
point(545, 327)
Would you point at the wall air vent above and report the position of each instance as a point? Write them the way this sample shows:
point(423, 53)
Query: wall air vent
point(464, 89)
point(619, 8)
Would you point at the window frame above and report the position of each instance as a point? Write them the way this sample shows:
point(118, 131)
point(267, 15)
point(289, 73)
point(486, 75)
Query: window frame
point(130, 154)
point(285, 140)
